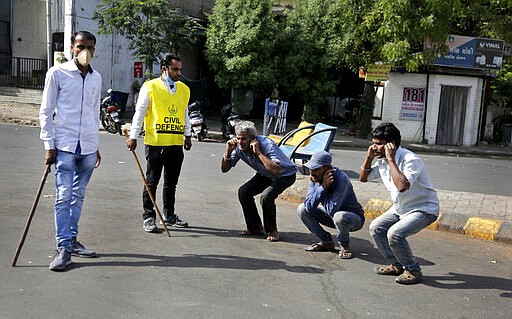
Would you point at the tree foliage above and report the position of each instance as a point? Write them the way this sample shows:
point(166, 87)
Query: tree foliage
point(151, 26)
point(240, 43)
point(304, 50)
point(312, 52)
point(489, 19)
point(397, 30)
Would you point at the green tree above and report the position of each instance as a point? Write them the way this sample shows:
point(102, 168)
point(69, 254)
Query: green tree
point(398, 30)
point(310, 53)
point(489, 19)
point(240, 43)
point(151, 26)
point(239, 46)
point(392, 32)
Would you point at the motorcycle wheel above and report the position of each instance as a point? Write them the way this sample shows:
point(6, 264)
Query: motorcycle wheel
point(200, 137)
point(108, 123)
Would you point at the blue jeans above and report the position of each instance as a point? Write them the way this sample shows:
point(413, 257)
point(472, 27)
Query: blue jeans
point(390, 232)
point(72, 174)
point(343, 221)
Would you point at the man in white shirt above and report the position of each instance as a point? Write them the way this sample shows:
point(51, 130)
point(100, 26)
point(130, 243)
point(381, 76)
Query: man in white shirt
point(415, 202)
point(69, 118)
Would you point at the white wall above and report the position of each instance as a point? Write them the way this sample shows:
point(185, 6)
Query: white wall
point(412, 131)
point(111, 57)
point(29, 34)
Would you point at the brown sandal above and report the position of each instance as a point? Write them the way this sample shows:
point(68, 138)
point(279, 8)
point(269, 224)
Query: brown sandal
point(390, 270)
point(345, 254)
point(410, 277)
point(320, 246)
point(273, 236)
point(247, 232)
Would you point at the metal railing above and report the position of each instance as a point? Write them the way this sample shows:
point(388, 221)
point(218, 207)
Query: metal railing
point(22, 72)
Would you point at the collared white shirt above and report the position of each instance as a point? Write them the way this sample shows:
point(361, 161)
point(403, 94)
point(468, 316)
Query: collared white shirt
point(75, 101)
point(421, 195)
point(142, 107)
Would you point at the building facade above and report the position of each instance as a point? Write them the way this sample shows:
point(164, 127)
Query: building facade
point(432, 108)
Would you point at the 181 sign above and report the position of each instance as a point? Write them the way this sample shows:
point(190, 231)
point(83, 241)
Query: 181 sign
point(413, 104)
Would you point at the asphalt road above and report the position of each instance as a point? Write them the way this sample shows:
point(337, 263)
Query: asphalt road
point(463, 174)
point(208, 270)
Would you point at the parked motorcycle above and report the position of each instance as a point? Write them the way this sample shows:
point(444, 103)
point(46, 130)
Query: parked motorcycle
point(228, 120)
point(109, 114)
point(197, 121)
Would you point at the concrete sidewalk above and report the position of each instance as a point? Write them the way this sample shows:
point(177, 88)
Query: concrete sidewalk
point(477, 215)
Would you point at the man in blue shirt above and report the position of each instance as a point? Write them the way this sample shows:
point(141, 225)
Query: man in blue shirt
point(274, 173)
point(415, 202)
point(331, 187)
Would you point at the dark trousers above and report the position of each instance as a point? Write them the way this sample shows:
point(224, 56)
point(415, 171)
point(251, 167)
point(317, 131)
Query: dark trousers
point(269, 191)
point(168, 158)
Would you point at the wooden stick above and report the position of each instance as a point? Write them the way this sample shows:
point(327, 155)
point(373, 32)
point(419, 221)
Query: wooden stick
point(125, 131)
point(31, 214)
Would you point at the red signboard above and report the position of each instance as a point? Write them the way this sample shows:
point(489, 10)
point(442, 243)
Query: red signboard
point(137, 69)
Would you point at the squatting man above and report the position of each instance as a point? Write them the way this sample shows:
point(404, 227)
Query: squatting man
point(415, 202)
point(275, 172)
point(339, 208)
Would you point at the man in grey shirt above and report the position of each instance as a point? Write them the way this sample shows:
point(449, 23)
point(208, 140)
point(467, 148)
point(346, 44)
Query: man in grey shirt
point(415, 202)
point(274, 173)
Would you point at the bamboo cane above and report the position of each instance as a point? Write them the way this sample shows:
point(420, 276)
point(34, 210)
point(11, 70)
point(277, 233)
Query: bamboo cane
point(125, 131)
point(31, 214)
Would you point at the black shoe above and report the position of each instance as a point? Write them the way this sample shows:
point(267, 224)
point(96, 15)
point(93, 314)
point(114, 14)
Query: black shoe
point(175, 221)
point(79, 250)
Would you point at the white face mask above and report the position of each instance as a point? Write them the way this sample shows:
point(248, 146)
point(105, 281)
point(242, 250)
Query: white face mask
point(84, 57)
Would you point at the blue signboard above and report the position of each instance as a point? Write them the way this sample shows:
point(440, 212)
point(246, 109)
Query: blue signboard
point(470, 52)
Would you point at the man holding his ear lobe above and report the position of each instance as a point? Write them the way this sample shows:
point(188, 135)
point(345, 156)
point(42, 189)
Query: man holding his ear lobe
point(340, 209)
point(415, 202)
point(275, 172)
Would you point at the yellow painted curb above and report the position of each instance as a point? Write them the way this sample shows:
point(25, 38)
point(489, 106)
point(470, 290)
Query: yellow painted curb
point(376, 207)
point(482, 228)
point(434, 225)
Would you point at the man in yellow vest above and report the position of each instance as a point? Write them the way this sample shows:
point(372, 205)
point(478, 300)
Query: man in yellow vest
point(163, 107)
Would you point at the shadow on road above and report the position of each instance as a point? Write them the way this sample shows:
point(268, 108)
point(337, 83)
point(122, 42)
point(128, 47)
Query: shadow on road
point(195, 261)
point(463, 281)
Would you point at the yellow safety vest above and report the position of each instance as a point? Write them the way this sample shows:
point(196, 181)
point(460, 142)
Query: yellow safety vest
point(164, 122)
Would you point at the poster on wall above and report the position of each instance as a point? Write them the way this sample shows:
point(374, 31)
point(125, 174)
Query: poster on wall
point(413, 104)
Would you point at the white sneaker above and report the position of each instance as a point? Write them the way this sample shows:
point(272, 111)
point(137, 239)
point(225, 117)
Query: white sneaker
point(149, 225)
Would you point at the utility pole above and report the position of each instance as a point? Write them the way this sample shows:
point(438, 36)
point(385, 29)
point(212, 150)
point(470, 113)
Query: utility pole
point(49, 57)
